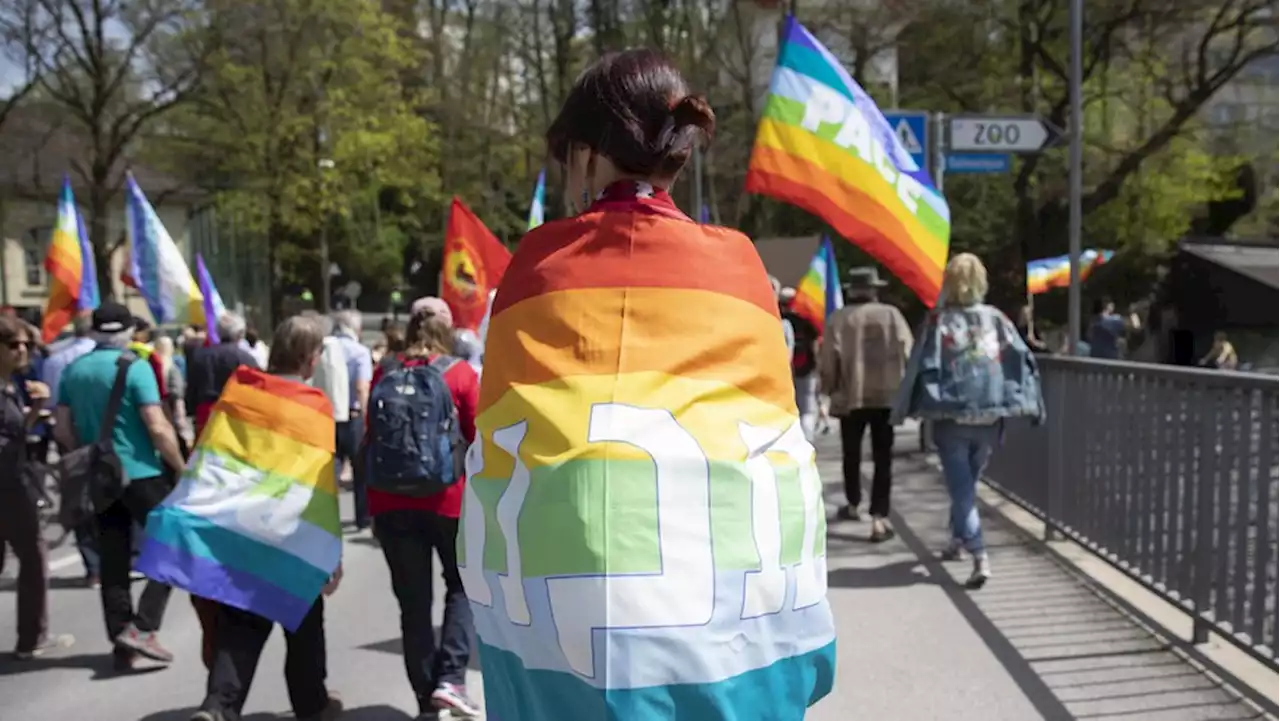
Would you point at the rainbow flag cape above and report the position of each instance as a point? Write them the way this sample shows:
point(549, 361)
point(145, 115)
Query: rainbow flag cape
point(537, 209)
point(1055, 272)
point(73, 277)
point(818, 293)
point(824, 146)
point(643, 526)
point(211, 300)
point(253, 523)
point(156, 266)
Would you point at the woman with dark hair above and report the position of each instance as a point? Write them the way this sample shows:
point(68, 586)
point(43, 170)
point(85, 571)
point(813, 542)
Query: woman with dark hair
point(636, 399)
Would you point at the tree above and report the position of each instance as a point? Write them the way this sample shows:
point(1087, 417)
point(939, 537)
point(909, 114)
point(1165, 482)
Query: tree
point(302, 121)
point(116, 68)
point(23, 31)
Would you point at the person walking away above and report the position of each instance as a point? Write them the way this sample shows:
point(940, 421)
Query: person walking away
point(209, 367)
point(1222, 355)
point(241, 635)
point(208, 371)
point(359, 364)
point(415, 498)
point(969, 373)
point(20, 527)
point(864, 354)
point(61, 355)
point(145, 443)
point(1026, 329)
point(804, 362)
point(175, 384)
point(142, 347)
point(631, 346)
point(332, 375)
point(1108, 330)
point(260, 351)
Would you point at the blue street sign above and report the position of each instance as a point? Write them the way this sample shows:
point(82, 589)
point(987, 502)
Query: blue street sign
point(978, 163)
point(912, 129)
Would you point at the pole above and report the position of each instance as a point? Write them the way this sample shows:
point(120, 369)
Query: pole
point(1076, 171)
point(939, 149)
point(325, 279)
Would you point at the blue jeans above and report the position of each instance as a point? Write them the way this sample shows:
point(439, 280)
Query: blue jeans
point(964, 451)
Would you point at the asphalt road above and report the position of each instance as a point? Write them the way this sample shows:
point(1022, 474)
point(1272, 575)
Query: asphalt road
point(912, 645)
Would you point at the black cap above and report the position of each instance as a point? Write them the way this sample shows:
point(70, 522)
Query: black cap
point(112, 318)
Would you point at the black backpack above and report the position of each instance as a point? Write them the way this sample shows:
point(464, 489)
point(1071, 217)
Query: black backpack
point(415, 446)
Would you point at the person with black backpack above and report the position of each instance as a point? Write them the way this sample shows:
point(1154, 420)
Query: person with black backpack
point(421, 416)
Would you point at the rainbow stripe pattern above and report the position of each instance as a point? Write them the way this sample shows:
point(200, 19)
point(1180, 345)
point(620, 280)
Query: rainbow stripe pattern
point(73, 278)
point(156, 266)
point(818, 293)
point(538, 208)
point(643, 534)
point(823, 145)
point(1055, 272)
point(253, 523)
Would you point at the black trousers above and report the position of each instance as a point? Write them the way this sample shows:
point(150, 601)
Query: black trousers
point(852, 427)
point(238, 642)
point(408, 539)
point(115, 528)
point(20, 530)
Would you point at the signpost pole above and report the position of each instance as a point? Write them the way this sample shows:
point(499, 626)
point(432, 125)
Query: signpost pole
point(1076, 169)
point(939, 149)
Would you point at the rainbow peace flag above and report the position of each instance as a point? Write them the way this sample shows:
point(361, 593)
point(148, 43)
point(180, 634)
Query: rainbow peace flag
point(824, 146)
point(643, 527)
point(73, 277)
point(253, 523)
point(156, 266)
point(818, 293)
point(537, 209)
point(1055, 272)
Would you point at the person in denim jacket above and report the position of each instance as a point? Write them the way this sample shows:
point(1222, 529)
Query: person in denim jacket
point(969, 371)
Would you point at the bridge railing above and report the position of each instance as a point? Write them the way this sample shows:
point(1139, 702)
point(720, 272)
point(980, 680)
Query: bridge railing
point(1170, 475)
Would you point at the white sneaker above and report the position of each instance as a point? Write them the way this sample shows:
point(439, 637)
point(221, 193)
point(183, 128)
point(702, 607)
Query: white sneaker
point(981, 572)
point(453, 698)
point(954, 550)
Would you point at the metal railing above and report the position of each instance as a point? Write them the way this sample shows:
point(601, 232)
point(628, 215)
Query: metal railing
point(1170, 475)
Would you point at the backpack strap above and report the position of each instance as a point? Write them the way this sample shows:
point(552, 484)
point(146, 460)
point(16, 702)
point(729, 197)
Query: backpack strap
point(125, 360)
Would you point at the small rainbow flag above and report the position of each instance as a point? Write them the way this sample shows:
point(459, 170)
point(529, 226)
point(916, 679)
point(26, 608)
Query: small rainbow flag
point(818, 293)
point(73, 277)
point(1055, 272)
point(538, 209)
point(643, 529)
point(156, 266)
point(253, 523)
point(824, 146)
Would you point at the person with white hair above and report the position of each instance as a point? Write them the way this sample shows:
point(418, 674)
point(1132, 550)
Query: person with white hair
point(209, 368)
point(347, 325)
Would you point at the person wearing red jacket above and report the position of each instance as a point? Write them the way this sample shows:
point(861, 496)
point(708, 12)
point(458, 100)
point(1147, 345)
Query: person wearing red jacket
point(409, 529)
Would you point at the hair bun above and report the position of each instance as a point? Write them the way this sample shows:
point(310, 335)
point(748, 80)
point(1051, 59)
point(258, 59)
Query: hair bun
point(693, 110)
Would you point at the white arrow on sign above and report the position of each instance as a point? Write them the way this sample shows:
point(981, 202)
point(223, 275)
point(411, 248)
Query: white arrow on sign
point(1001, 133)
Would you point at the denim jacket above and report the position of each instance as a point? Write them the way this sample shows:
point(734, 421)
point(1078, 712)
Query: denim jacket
point(969, 365)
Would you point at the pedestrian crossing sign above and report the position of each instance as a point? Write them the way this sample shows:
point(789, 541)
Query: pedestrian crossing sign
point(912, 129)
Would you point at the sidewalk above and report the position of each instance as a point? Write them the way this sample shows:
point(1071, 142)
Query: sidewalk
point(1035, 643)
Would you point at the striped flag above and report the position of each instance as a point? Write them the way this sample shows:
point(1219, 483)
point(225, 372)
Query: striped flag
point(823, 145)
point(537, 209)
point(253, 523)
point(1055, 272)
point(643, 527)
point(211, 300)
point(156, 267)
point(73, 277)
point(818, 293)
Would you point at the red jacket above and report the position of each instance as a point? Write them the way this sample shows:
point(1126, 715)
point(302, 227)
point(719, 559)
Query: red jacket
point(464, 384)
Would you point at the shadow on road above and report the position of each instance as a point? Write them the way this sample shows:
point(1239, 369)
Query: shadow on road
point(363, 713)
point(892, 575)
point(396, 646)
point(99, 663)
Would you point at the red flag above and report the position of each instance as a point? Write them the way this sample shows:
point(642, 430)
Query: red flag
point(474, 262)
